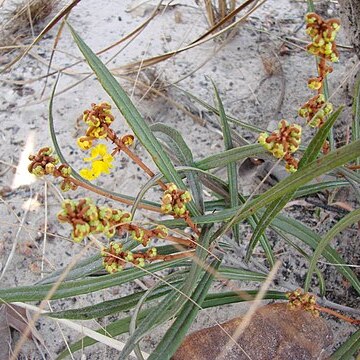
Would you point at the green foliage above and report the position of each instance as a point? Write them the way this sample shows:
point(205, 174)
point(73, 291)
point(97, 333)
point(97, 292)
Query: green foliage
point(194, 264)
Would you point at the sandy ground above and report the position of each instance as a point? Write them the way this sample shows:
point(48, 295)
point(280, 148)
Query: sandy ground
point(261, 79)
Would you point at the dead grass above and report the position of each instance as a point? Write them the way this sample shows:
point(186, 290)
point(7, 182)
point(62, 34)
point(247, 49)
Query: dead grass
point(21, 20)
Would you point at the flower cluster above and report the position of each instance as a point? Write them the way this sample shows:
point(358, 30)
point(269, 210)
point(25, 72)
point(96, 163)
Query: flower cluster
point(283, 142)
point(304, 301)
point(98, 119)
point(322, 35)
point(174, 201)
point(45, 163)
point(316, 110)
point(115, 258)
point(87, 218)
point(323, 45)
point(101, 163)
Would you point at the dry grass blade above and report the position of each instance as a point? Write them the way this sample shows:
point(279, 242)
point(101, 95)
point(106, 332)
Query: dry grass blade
point(47, 28)
point(135, 66)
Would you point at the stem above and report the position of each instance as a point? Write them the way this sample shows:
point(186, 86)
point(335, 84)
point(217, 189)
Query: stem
point(181, 241)
point(174, 256)
point(111, 196)
point(191, 224)
point(122, 147)
point(338, 315)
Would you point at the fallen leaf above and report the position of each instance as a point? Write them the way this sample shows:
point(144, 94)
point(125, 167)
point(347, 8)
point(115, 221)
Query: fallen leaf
point(18, 319)
point(275, 332)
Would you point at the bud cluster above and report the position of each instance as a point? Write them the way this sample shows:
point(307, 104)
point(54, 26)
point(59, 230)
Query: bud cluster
point(143, 235)
point(304, 301)
point(322, 35)
point(87, 218)
point(174, 201)
point(316, 110)
point(115, 258)
point(45, 163)
point(98, 116)
point(283, 142)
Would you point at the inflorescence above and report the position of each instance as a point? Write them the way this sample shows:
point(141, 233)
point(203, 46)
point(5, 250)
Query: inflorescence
point(304, 301)
point(174, 201)
point(98, 119)
point(115, 258)
point(285, 141)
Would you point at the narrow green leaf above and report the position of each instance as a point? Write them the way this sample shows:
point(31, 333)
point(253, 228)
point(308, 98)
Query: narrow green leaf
point(176, 333)
point(78, 287)
point(310, 238)
point(131, 115)
point(82, 269)
point(110, 307)
point(232, 297)
point(349, 219)
point(226, 157)
point(184, 155)
point(355, 131)
point(231, 167)
point(348, 349)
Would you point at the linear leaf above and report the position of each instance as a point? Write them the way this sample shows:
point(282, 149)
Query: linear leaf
point(176, 333)
point(140, 128)
point(231, 167)
point(226, 157)
point(183, 153)
point(355, 131)
point(310, 238)
point(109, 307)
point(349, 219)
point(78, 287)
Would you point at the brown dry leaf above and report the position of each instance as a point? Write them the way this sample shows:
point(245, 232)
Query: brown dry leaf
point(274, 333)
point(343, 205)
point(18, 318)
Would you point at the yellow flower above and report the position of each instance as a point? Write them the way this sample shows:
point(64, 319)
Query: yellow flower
point(101, 162)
